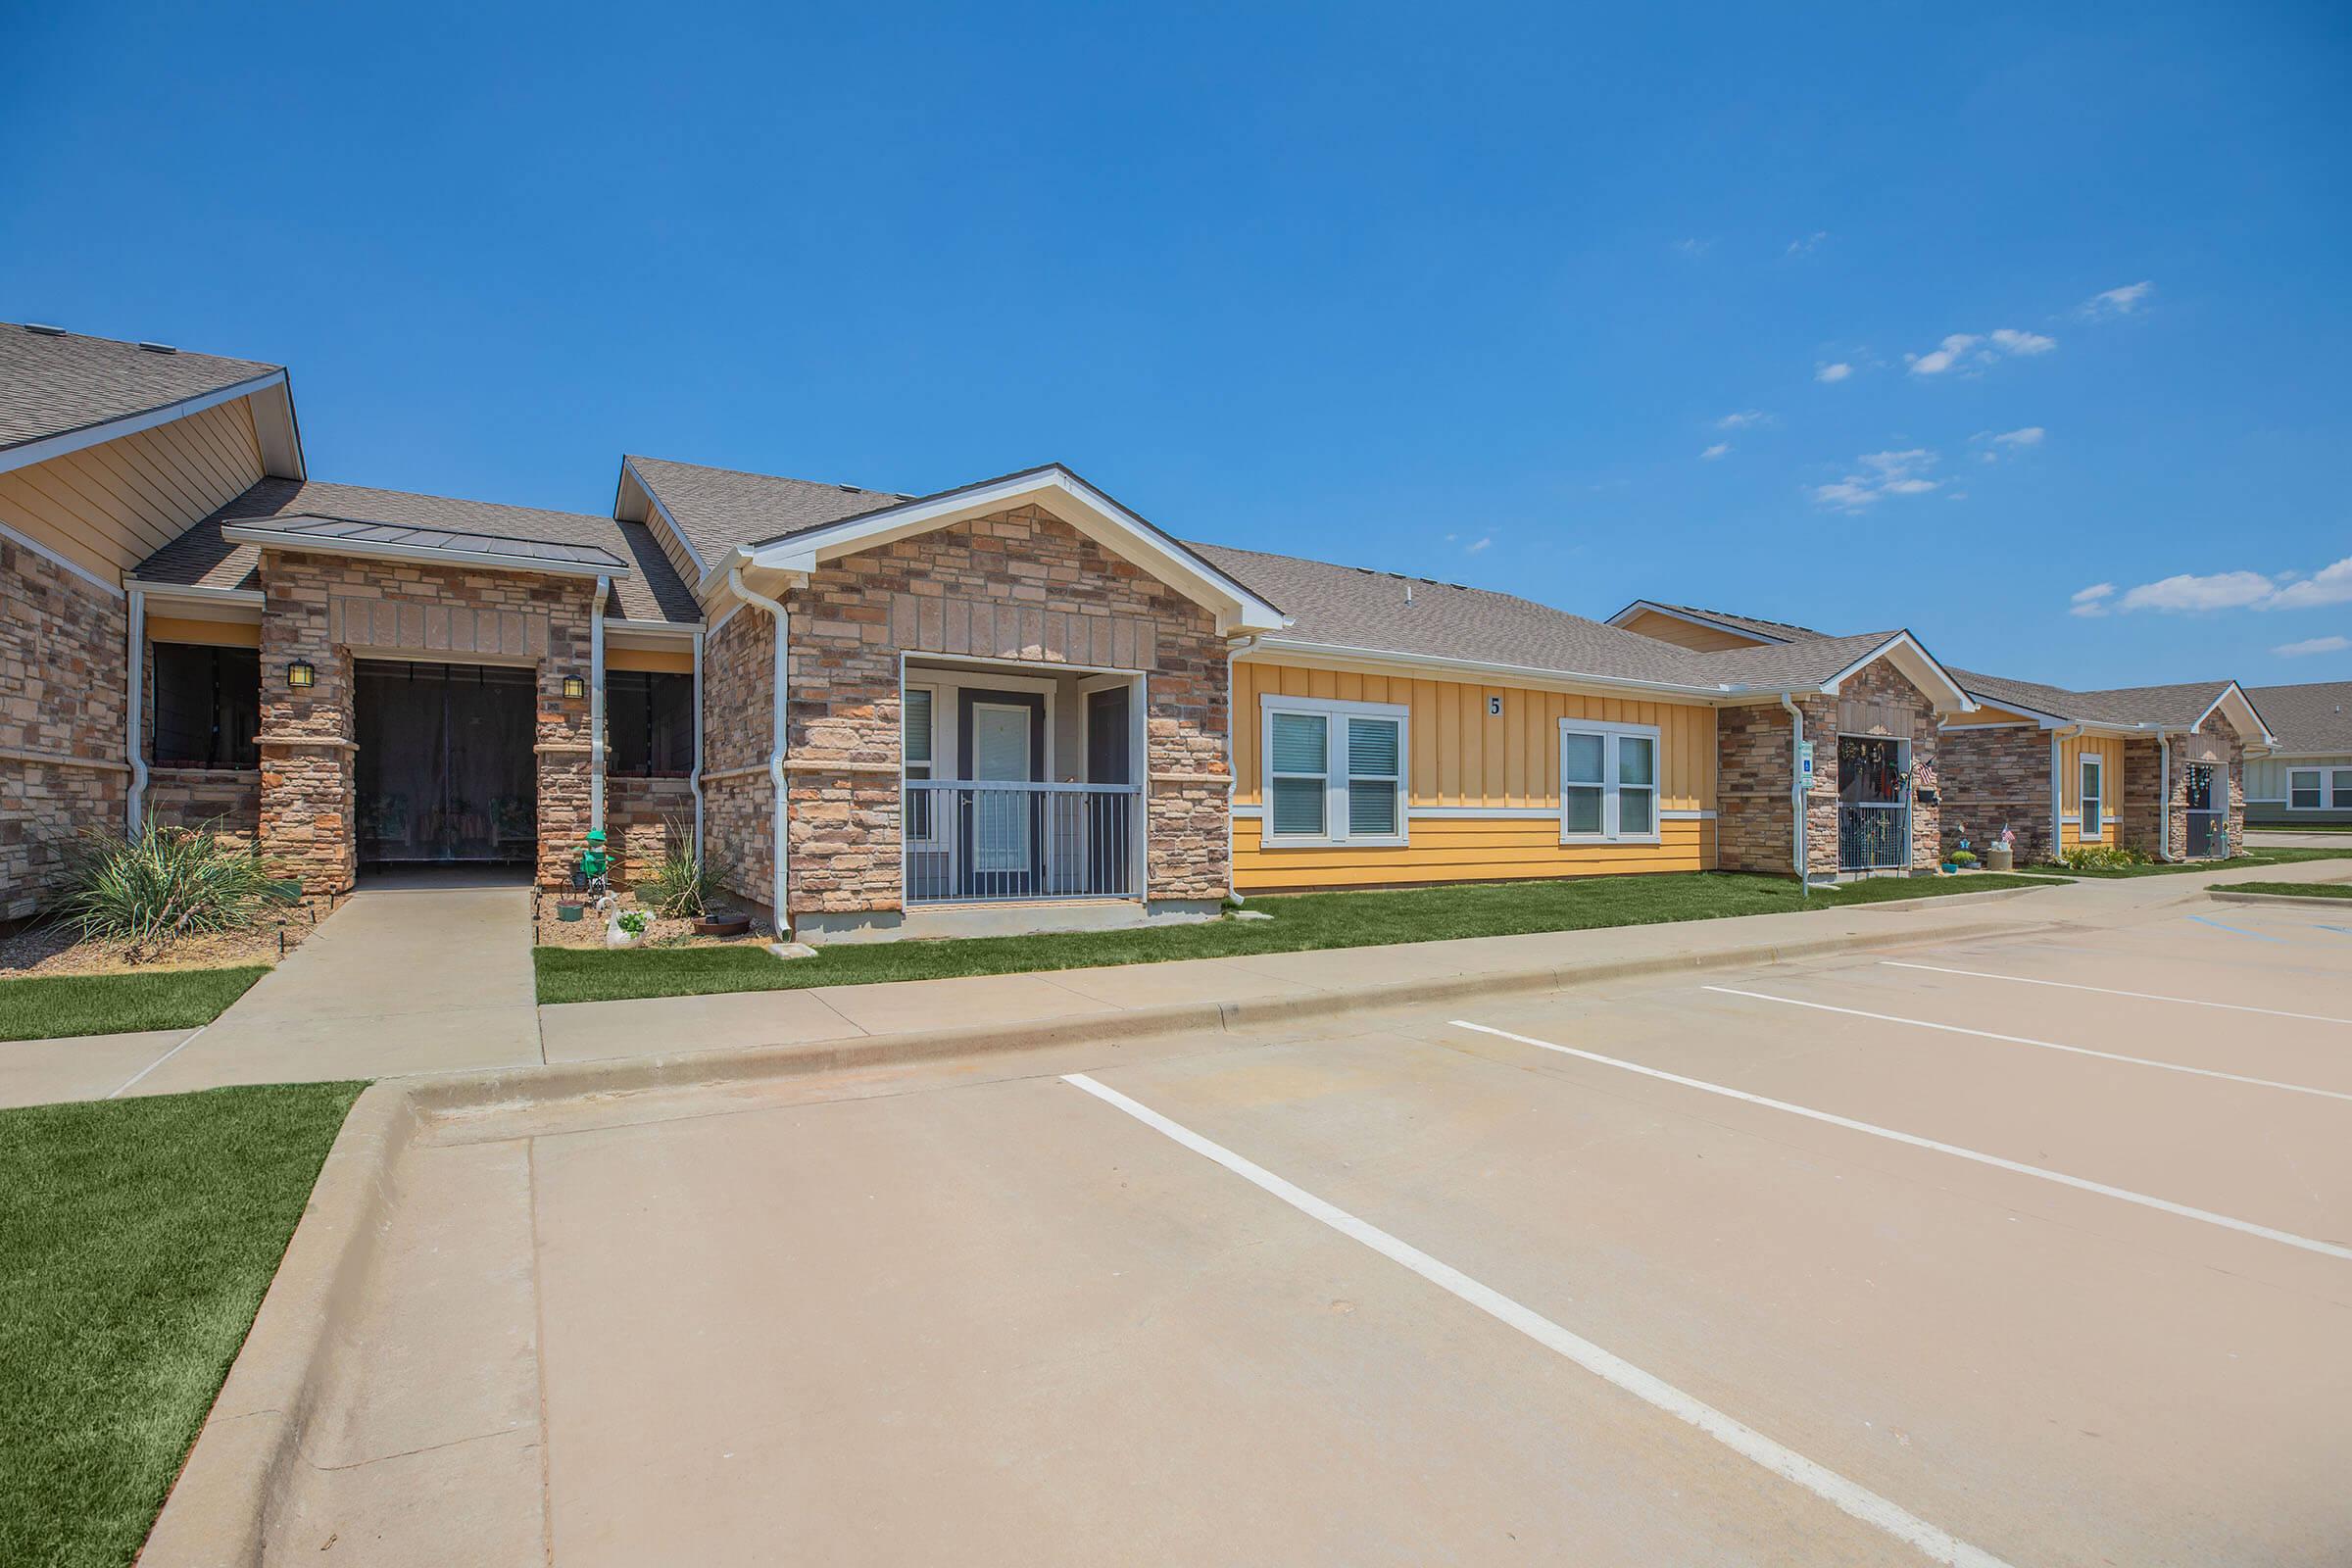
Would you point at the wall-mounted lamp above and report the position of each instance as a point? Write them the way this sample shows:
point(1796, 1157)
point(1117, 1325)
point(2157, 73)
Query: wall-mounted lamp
point(573, 686)
point(302, 675)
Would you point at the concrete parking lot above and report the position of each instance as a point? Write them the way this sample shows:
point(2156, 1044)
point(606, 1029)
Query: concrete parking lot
point(2023, 1251)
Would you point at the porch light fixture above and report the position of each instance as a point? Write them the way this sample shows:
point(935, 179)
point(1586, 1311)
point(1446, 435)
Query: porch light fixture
point(573, 686)
point(302, 674)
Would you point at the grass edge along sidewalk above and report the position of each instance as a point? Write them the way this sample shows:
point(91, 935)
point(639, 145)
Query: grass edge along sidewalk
point(137, 1238)
point(51, 1007)
point(1303, 921)
point(2287, 890)
point(2251, 860)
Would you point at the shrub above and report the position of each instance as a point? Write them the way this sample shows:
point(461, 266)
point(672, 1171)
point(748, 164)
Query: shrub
point(2101, 857)
point(683, 886)
point(633, 921)
point(168, 883)
point(1964, 856)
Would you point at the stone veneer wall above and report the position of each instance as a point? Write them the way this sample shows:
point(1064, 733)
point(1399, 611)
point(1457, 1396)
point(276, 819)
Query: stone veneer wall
point(308, 738)
point(1993, 778)
point(843, 734)
point(638, 816)
point(61, 701)
point(1754, 753)
point(229, 800)
point(739, 667)
point(2139, 815)
point(2233, 753)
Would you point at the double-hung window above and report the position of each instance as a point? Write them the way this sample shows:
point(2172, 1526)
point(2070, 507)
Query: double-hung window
point(915, 719)
point(1608, 782)
point(2316, 789)
point(1334, 771)
point(2094, 798)
point(2341, 799)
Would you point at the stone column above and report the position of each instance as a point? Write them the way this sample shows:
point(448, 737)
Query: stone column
point(308, 796)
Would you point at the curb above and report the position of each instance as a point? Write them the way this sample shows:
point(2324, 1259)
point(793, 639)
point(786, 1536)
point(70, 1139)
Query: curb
point(242, 1470)
point(2294, 900)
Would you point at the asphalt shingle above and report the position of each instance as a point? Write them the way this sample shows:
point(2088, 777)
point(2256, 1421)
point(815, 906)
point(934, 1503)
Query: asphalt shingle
point(2312, 718)
point(55, 383)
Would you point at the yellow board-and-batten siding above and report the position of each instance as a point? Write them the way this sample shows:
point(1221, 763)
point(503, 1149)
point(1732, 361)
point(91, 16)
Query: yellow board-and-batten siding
point(109, 507)
point(2109, 748)
point(1464, 760)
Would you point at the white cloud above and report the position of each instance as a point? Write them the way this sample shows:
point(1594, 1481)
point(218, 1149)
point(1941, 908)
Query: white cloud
point(1943, 359)
point(1721, 449)
point(1694, 248)
point(1798, 247)
point(1979, 348)
point(2221, 590)
point(1995, 441)
point(2115, 300)
point(1742, 419)
point(1834, 373)
point(2313, 644)
point(1478, 544)
point(2029, 436)
point(1880, 474)
point(2091, 601)
point(2329, 585)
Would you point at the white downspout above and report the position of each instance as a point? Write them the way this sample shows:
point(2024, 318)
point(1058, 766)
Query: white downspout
point(596, 706)
point(1799, 790)
point(2058, 739)
point(2163, 796)
point(776, 755)
point(136, 800)
point(694, 777)
point(1233, 778)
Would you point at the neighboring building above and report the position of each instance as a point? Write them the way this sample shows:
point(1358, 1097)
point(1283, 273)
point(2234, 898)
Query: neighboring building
point(2307, 779)
point(1012, 705)
point(2161, 770)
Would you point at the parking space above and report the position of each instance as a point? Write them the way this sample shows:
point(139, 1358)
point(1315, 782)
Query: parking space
point(2014, 1251)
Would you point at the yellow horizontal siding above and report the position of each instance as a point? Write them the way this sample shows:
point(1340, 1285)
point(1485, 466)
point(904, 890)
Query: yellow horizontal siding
point(1687, 634)
point(107, 508)
point(204, 634)
point(1465, 850)
point(660, 660)
point(2110, 749)
point(1463, 757)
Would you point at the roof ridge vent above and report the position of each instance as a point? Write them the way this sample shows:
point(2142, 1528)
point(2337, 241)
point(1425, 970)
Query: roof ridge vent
point(159, 348)
point(44, 328)
point(851, 488)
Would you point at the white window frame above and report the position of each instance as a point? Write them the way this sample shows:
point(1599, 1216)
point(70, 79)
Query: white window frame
point(2089, 803)
point(1336, 712)
point(2320, 781)
point(1610, 831)
point(2339, 787)
point(930, 767)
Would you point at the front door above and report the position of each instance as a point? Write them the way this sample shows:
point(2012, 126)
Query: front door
point(1110, 759)
point(444, 768)
point(2208, 817)
point(1003, 746)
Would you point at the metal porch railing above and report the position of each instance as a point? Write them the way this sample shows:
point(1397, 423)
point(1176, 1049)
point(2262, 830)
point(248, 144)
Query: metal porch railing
point(968, 842)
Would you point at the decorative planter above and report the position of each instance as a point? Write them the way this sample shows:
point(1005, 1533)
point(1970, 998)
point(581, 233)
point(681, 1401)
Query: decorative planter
point(1999, 860)
point(570, 913)
point(728, 926)
point(1949, 870)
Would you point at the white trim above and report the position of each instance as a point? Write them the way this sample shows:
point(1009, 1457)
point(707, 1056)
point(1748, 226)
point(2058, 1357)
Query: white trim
point(1108, 522)
point(2085, 763)
point(1289, 650)
point(60, 561)
point(1990, 700)
point(680, 629)
point(197, 593)
point(694, 776)
point(134, 799)
point(628, 471)
point(1494, 813)
point(1611, 789)
point(1336, 776)
point(2328, 775)
point(1689, 618)
point(2263, 736)
point(725, 616)
point(320, 545)
point(1900, 643)
point(596, 752)
point(92, 435)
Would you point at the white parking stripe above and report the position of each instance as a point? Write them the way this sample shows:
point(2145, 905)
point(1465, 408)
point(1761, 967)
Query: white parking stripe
point(2044, 1045)
point(1845, 1496)
point(2110, 991)
point(2329, 1249)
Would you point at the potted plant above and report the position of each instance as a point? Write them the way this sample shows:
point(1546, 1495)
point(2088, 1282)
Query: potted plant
point(2001, 853)
point(1964, 861)
point(627, 928)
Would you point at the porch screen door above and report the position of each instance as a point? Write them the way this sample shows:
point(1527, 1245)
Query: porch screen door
point(1001, 752)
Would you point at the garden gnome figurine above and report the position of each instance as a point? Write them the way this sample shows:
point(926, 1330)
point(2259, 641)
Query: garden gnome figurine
point(594, 861)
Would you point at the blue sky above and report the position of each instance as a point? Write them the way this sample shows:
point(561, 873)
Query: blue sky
point(1472, 293)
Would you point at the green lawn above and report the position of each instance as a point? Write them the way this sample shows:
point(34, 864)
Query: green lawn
point(2246, 861)
point(2299, 828)
point(1301, 920)
point(136, 1237)
point(44, 1005)
point(2297, 890)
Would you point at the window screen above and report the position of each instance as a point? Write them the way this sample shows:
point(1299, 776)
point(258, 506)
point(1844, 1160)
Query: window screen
point(208, 706)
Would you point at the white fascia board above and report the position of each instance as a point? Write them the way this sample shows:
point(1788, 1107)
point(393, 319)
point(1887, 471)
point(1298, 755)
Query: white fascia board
point(1652, 607)
point(196, 591)
point(1100, 518)
point(1279, 650)
point(279, 432)
point(91, 435)
point(312, 544)
point(632, 480)
point(2242, 714)
point(681, 629)
point(1915, 661)
point(2046, 720)
point(61, 562)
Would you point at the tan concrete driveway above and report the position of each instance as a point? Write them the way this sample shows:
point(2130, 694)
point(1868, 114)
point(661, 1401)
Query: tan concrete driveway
point(2016, 1252)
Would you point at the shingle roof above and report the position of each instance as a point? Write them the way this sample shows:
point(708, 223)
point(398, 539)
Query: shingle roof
point(1786, 630)
point(718, 509)
point(55, 383)
point(291, 527)
point(202, 557)
point(2175, 706)
point(2312, 718)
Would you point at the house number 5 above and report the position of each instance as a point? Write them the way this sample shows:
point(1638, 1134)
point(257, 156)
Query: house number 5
point(1493, 708)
